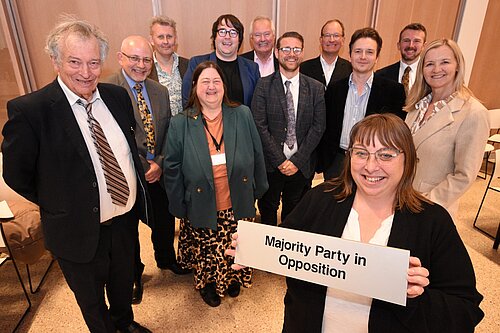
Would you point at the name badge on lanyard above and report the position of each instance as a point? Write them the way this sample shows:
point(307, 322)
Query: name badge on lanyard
point(218, 159)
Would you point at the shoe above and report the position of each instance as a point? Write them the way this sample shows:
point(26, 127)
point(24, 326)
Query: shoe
point(234, 289)
point(135, 327)
point(175, 268)
point(210, 296)
point(137, 292)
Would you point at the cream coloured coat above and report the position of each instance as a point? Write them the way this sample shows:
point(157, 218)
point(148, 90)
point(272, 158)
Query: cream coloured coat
point(450, 148)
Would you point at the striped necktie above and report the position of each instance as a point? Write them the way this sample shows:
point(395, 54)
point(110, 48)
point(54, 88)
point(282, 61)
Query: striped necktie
point(147, 120)
point(115, 179)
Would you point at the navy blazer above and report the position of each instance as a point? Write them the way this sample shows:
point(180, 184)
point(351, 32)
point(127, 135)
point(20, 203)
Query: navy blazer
point(250, 55)
point(249, 73)
point(270, 113)
point(390, 72)
point(46, 161)
point(312, 68)
point(385, 96)
point(450, 303)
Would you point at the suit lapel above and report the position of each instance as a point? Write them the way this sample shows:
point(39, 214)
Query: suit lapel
point(229, 123)
point(303, 98)
point(279, 92)
point(199, 139)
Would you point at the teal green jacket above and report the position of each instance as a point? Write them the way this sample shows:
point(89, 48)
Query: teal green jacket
point(187, 168)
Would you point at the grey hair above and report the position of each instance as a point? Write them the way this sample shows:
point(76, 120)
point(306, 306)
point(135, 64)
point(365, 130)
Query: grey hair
point(162, 20)
point(71, 25)
point(262, 18)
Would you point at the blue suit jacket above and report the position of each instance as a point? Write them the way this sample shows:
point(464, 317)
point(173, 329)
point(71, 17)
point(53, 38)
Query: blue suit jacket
point(249, 72)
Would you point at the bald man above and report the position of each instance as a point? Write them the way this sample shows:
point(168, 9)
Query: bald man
point(149, 99)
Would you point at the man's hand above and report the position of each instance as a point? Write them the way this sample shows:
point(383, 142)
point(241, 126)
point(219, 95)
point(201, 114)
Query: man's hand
point(154, 172)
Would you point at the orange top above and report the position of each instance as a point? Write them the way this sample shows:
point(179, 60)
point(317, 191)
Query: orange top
point(222, 194)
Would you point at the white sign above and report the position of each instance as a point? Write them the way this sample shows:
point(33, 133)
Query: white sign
point(365, 269)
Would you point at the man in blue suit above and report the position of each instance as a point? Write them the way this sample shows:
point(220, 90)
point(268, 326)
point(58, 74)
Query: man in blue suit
point(241, 73)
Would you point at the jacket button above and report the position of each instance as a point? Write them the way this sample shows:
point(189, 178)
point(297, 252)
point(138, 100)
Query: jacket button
point(95, 209)
point(245, 179)
point(285, 129)
point(94, 184)
point(282, 143)
point(199, 190)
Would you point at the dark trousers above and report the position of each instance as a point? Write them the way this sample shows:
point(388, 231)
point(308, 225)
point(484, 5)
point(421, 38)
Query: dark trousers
point(112, 268)
point(163, 231)
point(289, 188)
point(336, 167)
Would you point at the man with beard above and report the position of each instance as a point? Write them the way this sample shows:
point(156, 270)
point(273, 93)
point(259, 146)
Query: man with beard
point(355, 97)
point(328, 67)
point(262, 38)
point(289, 111)
point(411, 43)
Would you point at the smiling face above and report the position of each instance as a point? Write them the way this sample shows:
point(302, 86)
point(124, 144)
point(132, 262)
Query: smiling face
point(80, 64)
point(289, 63)
point(164, 39)
point(262, 37)
point(364, 55)
point(411, 45)
point(332, 44)
point(373, 178)
point(440, 70)
point(136, 47)
point(226, 47)
point(210, 89)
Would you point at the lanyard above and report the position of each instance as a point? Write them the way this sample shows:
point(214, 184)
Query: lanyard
point(216, 144)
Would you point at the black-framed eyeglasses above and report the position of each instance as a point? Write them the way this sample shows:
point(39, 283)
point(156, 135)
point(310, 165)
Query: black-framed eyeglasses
point(383, 155)
point(286, 50)
point(135, 59)
point(232, 32)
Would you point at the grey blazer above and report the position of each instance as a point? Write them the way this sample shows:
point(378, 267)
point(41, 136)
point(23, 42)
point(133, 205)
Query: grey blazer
point(269, 111)
point(160, 104)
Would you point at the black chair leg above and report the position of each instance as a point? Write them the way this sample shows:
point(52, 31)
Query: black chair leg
point(497, 238)
point(41, 280)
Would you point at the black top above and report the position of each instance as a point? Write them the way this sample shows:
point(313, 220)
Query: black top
point(233, 79)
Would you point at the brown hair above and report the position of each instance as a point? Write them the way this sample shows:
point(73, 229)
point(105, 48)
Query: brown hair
point(366, 33)
point(231, 21)
point(392, 132)
point(193, 106)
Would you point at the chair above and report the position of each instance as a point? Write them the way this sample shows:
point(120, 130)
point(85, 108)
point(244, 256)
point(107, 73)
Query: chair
point(495, 174)
point(494, 120)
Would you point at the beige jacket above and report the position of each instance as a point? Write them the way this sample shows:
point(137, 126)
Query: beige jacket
point(450, 149)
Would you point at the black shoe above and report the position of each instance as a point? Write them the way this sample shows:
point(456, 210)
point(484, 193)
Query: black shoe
point(137, 292)
point(134, 327)
point(210, 296)
point(234, 289)
point(175, 268)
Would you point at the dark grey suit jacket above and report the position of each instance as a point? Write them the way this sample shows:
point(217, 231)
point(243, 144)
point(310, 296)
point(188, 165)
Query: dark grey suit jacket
point(183, 64)
point(390, 72)
point(270, 113)
point(250, 55)
point(312, 68)
point(160, 104)
point(45, 159)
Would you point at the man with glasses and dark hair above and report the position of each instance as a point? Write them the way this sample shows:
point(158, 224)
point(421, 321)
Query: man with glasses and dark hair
point(328, 67)
point(241, 74)
point(152, 116)
point(354, 97)
point(411, 43)
point(289, 111)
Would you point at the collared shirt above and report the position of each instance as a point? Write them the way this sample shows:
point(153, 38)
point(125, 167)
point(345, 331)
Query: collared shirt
point(413, 71)
point(328, 68)
point(423, 105)
point(294, 88)
point(265, 67)
point(173, 82)
point(118, 144)
point(355, 109)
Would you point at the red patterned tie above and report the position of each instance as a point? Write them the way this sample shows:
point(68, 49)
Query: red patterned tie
point(115, 179)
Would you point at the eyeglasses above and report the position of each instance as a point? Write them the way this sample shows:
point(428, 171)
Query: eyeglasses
point(232, 32)
point(286, 50)
point(258, 35)
point(135, 59)
point(383, 156)
point(334, 36)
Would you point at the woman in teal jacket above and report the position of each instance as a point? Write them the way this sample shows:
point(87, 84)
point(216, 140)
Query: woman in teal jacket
point(213, 171)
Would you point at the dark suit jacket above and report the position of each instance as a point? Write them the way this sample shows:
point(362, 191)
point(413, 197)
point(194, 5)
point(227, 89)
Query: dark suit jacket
point(249, 72)
point(449, 304)
point(183, 64)
point(189, 179)
point(390, 72)
point(270, 113)
point(385, 96)
point(251, 56)
point(46, 161)
point(158, 97)
point(312, 68)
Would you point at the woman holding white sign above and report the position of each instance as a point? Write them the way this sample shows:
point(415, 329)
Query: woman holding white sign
point(214, 170)
point(373, 201)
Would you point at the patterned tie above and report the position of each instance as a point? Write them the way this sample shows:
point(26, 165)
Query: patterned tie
point(115, 179)
point(147, 120)
point(290, 134)
point(405, 79)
